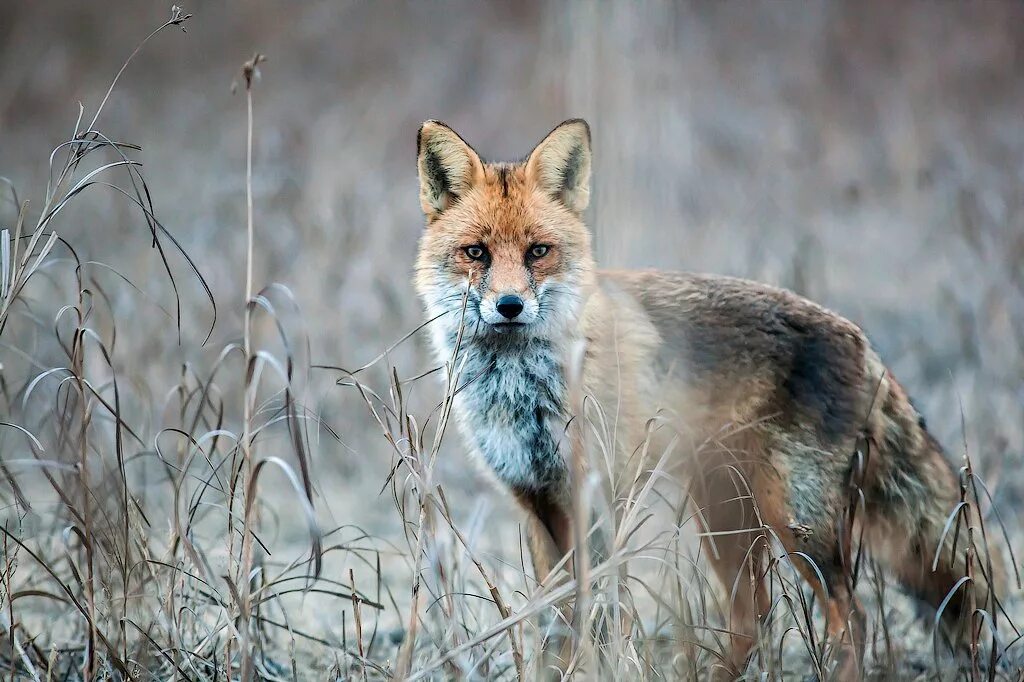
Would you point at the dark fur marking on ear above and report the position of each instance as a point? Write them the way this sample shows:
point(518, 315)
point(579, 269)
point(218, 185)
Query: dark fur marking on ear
point(570, 176)
point(436, 173)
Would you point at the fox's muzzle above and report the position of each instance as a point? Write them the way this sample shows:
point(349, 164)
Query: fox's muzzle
point(508, 309)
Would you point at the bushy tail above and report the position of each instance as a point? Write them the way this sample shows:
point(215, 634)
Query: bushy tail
point(927, 522)
point(954, 562)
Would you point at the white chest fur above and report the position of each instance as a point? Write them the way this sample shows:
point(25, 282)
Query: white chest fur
point(512, 407)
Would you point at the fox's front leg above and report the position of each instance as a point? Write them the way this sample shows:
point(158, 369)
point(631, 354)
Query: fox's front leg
point(549, 534)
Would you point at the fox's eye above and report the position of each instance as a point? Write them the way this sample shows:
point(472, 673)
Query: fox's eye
point(476, 252)
point(539, 251)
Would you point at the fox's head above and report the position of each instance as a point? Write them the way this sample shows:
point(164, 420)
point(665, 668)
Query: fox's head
point(512, 232)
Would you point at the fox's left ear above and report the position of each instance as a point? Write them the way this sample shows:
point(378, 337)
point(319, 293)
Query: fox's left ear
point(560, 164)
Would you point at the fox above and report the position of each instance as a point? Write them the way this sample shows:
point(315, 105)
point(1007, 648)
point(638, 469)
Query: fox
point(768, 386)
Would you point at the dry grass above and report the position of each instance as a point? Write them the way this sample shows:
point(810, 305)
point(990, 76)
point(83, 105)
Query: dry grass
point(201, 527)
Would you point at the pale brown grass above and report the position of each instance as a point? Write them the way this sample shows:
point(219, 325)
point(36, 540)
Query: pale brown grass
point(197, 511)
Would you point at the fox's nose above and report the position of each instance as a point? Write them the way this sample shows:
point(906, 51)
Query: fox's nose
point(509, 306)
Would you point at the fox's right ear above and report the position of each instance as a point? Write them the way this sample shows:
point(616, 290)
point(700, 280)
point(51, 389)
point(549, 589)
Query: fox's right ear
point(448, 167)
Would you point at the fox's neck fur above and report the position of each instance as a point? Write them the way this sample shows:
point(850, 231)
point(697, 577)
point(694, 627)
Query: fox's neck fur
point(512, 404)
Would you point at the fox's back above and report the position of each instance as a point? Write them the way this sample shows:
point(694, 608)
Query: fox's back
point(734, 350)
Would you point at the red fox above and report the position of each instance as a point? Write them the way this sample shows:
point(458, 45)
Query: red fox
point(777, 389)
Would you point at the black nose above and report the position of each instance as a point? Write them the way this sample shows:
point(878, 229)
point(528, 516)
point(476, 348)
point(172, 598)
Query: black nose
point(510, 306)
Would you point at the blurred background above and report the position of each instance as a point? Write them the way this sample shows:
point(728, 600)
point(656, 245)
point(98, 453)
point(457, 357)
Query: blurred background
point(869, 155)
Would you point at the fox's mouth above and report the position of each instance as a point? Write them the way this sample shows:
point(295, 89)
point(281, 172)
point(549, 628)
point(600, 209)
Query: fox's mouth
point(503, 327)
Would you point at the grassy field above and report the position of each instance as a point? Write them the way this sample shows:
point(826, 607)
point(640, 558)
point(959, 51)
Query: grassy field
point(222, 437)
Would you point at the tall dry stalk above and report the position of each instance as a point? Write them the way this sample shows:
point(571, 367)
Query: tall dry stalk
point(245, 577)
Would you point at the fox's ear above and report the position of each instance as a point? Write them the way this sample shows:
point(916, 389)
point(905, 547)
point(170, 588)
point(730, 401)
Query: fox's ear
point(560, 164)
point(448, 167)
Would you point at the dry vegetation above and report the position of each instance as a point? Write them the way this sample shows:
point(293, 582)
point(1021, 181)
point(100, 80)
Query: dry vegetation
point(223, 448)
